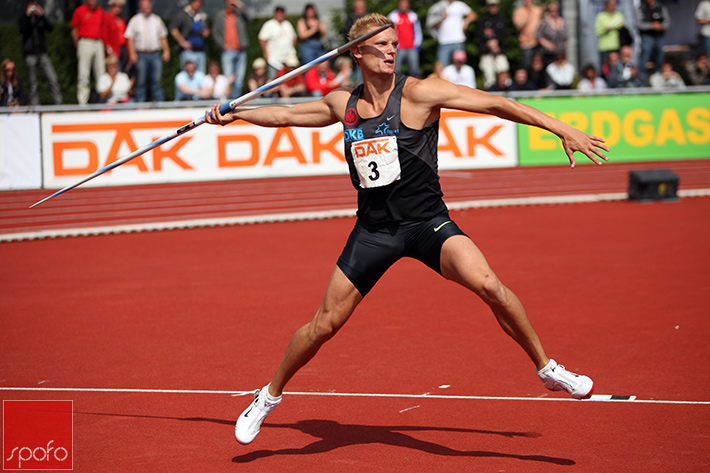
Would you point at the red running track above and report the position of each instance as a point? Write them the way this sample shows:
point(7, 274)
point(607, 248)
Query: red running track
point(94, 207)
point(615, 290)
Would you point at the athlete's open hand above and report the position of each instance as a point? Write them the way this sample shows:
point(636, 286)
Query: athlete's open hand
point(591, 146)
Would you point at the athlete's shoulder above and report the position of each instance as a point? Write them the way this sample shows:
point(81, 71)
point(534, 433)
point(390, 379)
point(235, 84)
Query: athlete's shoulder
point(430, 90)
point(337, 101)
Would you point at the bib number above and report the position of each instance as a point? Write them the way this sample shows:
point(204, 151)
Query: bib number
point(376, 161)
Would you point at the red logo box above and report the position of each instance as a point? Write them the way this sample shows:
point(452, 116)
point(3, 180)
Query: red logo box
point(37, 435)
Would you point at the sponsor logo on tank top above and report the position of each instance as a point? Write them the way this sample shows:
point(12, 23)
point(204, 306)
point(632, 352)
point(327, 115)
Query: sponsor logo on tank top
point(350, 117)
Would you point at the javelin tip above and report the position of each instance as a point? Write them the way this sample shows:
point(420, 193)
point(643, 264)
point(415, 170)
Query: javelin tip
point(43, 200)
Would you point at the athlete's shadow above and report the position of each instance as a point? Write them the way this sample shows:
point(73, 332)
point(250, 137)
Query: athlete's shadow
point(334, 435)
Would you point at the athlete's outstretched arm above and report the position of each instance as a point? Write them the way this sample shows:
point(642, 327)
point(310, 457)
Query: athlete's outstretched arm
point(439, 93)
point(319, 113)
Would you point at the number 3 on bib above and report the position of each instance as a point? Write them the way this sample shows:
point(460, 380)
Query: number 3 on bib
point(376, 161)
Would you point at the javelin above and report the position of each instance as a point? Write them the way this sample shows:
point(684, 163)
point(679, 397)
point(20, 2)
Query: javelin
point(226, 108)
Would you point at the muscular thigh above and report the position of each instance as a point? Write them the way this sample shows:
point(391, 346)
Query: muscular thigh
point(464, 263)
point(369, 253)
point(426, 239)
point(371, 250)
point(340, 300)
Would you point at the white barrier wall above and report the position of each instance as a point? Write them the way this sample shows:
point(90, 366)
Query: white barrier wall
point(77, 144)
point(20, 164)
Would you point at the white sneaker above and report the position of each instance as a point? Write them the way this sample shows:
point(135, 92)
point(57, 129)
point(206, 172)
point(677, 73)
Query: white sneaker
point(249, 422)
point(556, 378)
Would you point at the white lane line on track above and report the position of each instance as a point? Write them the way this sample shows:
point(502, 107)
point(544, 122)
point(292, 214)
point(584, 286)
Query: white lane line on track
point(594, 398)
point(315, 215)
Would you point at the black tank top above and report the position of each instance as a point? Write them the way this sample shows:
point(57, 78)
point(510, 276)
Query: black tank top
point(393, 168)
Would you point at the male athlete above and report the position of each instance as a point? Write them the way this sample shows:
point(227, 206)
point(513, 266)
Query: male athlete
point(391, 132)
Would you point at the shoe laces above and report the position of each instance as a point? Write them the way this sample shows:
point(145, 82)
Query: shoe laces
point(565, 370)
point(266, 406)
point(564, 377)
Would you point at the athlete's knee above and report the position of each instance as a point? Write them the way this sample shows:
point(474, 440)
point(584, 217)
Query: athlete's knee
point(491, 290)
point(323, 327)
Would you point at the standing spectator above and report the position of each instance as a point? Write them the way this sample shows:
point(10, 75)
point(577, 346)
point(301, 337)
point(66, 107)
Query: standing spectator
point(215, 85)
point(451, 28)
point(359, 10)
point(258, 76)
point(11, 93)
point(33, 24)
point(189, 28)
point(409, 35)
point(590, 81)
point(230, 32)
point(606, 27)
point(552, 34)
point(188, 83)
point(114, 30)
point(702, 16)
point(537, 74)
point(698, 72)
point(146, 36)
point(492, 29)
point(321, 79)
point(521, 82)
point(666, 78)
point(311, 31)
point(526, 19)
point(86, 32)
point(459, 72)
point(277, 38)
point(652, 20)
point(560, 72)
point(114, 85)
point(434, 17)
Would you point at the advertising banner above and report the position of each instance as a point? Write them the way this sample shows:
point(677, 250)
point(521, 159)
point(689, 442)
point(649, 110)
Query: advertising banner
point(20, 164)
point(77, 144)
point(636, 128)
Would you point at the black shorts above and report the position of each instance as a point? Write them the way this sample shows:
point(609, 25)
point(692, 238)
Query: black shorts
point(372, 249)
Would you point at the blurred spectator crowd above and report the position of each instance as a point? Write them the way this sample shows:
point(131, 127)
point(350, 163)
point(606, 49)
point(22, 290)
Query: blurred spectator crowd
point(125, 56)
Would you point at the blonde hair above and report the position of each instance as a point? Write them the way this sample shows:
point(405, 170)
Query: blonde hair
point(366, 23)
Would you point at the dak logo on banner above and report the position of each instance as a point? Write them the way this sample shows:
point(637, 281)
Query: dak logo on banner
point(37, 435)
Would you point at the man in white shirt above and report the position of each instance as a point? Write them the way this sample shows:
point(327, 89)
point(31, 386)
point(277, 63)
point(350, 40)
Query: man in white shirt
point(113, 86)
point(278, 41)
point(560, 72)
point(666, 78)
point(459, 72)
point(146, 36)
point(450, 27)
